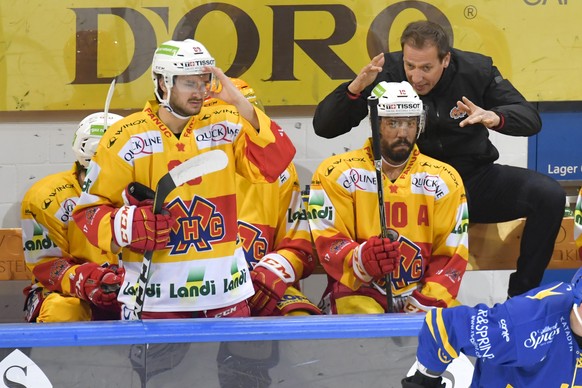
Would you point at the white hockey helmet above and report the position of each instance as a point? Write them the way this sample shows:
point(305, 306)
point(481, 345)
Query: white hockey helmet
point(87, 136)
point(398, 99)
point(172, 58)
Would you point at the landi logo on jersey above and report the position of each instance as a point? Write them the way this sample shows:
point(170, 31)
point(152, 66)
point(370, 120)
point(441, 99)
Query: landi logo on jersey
point(141, 145)
point(196, 225)
point(19, 371)
point(195, 286)
point(254, 245)
point(324, 213)
point(40, 240)
point(216, 134)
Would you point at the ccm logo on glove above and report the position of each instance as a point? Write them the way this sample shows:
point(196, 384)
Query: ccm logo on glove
point(125, 221)
point(140, 229)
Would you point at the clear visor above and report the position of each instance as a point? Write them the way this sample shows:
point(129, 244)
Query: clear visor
point(198, 84)
point(394, 123)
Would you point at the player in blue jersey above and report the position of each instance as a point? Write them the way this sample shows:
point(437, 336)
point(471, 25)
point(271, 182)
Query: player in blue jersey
point(532, 340)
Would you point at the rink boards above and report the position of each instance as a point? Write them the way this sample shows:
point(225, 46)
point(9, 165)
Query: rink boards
point(321, 351)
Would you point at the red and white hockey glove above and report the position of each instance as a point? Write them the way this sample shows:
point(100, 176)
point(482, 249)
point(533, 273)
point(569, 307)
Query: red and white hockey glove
point(140, 229)
point(138, 194)
point(375, 258)
point(96, 284)
point(418, 303)
point(271, 277)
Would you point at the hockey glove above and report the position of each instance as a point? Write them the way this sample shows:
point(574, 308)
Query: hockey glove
point(140, 229)
point(271, 277)
point(96, 284)
point(417, 303)
point(138, 194)
point(375, 258)
point(419, 380)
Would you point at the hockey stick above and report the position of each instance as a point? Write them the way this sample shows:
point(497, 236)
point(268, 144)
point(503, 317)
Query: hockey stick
point(373, 104)
point(107, 103)
point(193, 168)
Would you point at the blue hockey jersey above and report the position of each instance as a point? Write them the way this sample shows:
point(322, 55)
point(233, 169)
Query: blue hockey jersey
point(524, 342)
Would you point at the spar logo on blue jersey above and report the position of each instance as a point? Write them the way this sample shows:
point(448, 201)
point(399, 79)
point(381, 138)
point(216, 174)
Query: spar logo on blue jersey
point(255, 246)
point(197, 225)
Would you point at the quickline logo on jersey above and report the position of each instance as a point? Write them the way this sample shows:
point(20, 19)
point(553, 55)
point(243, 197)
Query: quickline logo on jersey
point(216, 134)
point(358, 179)
point(19, 371)
point(426, 184)
point(65, 211)
point(141, 145)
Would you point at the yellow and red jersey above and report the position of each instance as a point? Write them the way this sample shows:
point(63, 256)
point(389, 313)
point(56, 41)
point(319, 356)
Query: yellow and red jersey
point(203, 266)
point(426, 211)
point(52, 242)
point(272, 220)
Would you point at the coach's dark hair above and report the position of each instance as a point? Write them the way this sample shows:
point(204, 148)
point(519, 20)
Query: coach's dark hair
point(422, 33)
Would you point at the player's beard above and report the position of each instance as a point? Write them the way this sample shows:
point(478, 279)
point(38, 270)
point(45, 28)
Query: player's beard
point(191, 107)
point(396, 152)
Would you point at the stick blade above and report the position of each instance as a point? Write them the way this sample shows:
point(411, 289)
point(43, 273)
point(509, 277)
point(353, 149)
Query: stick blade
point(199, 165)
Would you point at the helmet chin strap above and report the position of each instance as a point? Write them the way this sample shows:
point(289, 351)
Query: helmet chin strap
point(395, 165)
point(169, 109)
point(577, 314)
point(166, 104)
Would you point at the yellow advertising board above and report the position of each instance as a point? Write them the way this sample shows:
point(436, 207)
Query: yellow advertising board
point(61, 55)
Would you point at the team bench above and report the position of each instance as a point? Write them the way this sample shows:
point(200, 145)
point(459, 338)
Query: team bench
point(496, 246)
point(491, 246)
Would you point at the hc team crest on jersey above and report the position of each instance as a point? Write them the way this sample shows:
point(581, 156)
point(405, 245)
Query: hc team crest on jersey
point(196, 225)
point(255, 246)
point(411, 267)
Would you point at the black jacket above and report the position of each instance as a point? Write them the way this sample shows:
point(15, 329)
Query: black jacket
point(468, 74)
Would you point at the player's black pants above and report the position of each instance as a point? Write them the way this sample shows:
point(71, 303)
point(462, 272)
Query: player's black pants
point(498, 193)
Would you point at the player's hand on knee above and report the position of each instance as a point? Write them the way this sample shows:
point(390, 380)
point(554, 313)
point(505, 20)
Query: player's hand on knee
point(96, 284)
point(270, 277)
point(140, 229)
point(375, 258)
